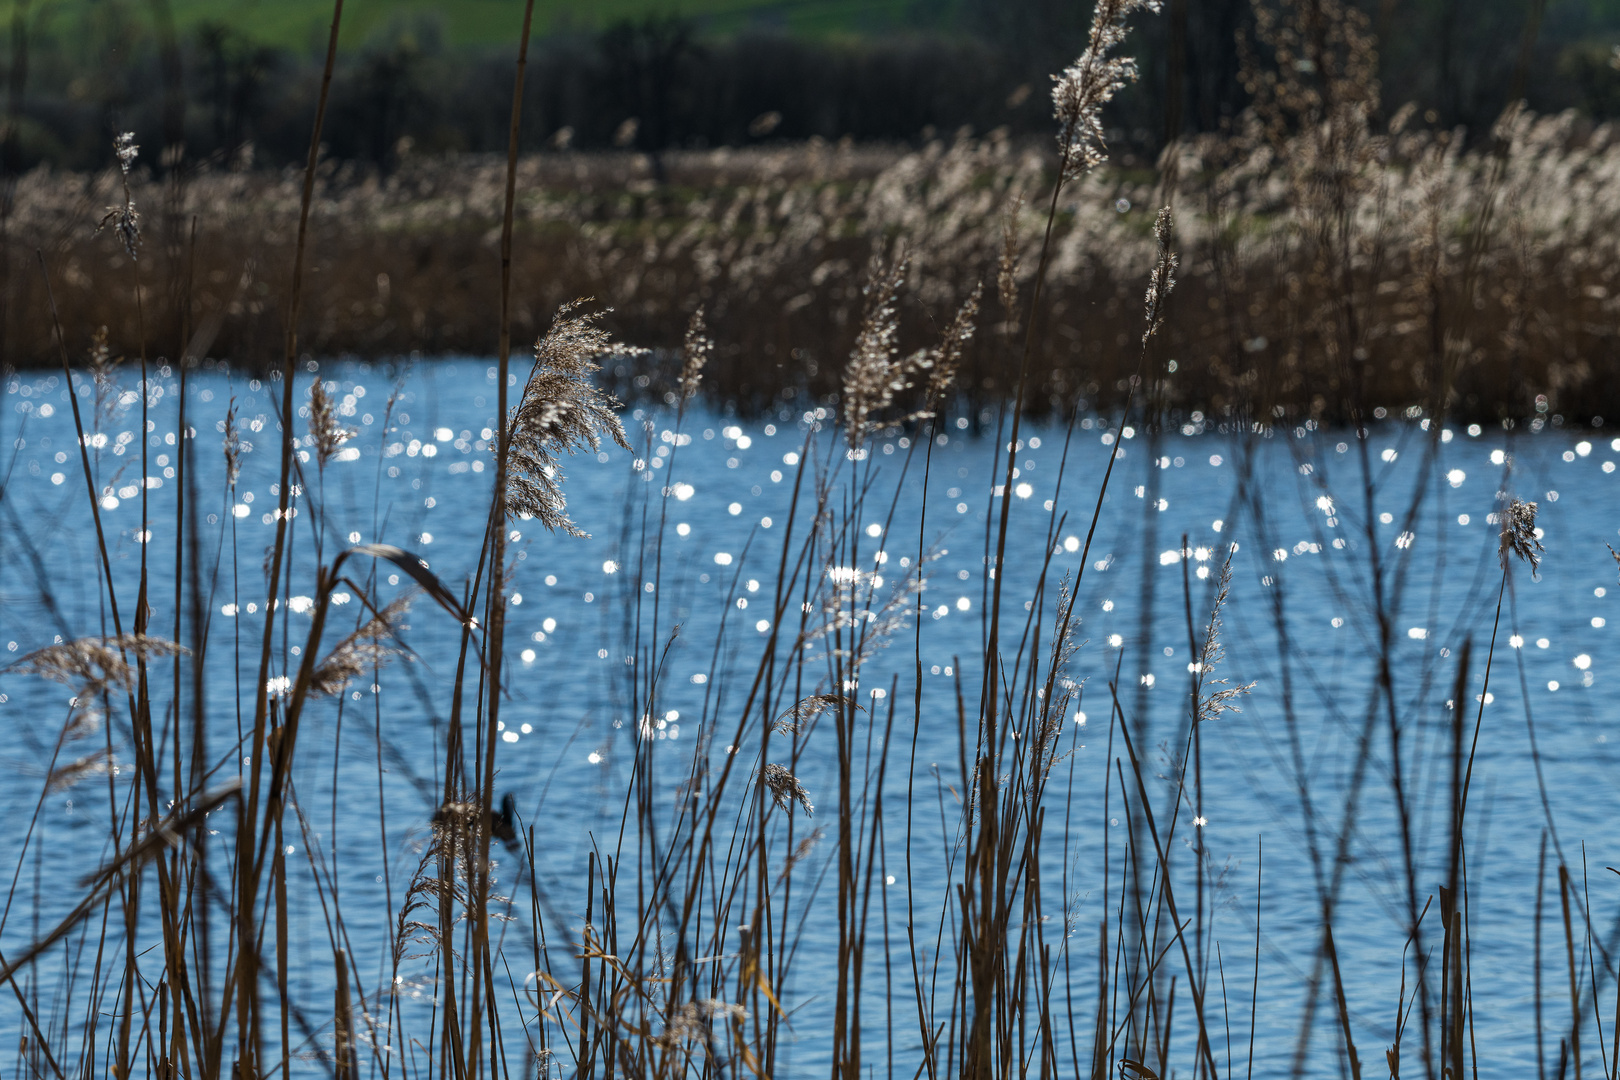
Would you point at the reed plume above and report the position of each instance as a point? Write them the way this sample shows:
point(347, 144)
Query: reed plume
point(695, 352)
point(96, 663)
point(98, 762)
point(1216, 701)
point(124, 218)
point(370, 646)
point(233, 445)
point(1090, 83)
point(877, 374)
point(1007, 264)
point(945, 359)
point(104, 373)
point(325, 432)
point(561, 410)
point(1518, 536)
point(1163, 278)
point(785, 788)
point(793, 721)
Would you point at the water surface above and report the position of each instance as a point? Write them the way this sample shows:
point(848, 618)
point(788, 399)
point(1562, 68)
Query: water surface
point(1343, 551)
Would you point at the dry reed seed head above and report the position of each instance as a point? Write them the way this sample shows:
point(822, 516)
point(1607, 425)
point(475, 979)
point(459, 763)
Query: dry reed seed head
point(874, 375)
point(794, 719)
point(104, 371)
point(1519, 535)
point(945, 359)
point(84, 721)
point(126, 149)
point(695, 1019)
point(695, 352)
point(93, 666)
point(126, 222)
point(234, 446)
point(325, 433)
point(98, 762)
point(373, 644)
point(877, 374)
point(849, 602)
point(1088, 84)
point(1066, 628)
point(785, 788)
point(801, 852)
point(561, 410)
point(455, 815)
point(1007, 264)
point(95, 663)
point(1213, 704)
point(1163, 278)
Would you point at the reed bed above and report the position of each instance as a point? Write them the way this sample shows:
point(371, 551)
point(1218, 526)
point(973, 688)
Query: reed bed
point(192, 947)
point(1508, 236)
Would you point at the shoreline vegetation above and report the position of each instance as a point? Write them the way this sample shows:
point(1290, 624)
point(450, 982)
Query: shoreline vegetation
point(1486, 282)
point(1319, 266)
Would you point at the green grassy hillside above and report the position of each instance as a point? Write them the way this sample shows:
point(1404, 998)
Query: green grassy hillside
point(299, 23)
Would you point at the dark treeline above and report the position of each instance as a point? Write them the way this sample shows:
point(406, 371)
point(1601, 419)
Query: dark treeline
point(666, 81)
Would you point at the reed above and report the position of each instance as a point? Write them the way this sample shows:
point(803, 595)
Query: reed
point(216, 934)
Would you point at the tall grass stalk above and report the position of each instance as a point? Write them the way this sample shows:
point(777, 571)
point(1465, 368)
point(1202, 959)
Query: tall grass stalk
point(677, 943)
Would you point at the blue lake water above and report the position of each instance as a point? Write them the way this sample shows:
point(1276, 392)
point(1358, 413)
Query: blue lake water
point(1291, 507)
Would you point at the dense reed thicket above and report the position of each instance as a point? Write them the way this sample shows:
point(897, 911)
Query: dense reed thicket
point(1317, 268)
point(1484, 281)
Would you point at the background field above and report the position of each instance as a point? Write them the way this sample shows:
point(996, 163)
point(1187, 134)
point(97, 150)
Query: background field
point(294, 24)
point(235, 82)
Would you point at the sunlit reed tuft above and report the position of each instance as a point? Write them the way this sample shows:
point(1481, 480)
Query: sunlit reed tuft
point(793, 721)
point(325, 432)
point(561, 411)
point(124, 218)
point(366, 649)
point(785, 788)
point(1518, 536)
point(695, 352)
point(1090, 83)
point(1163, 278)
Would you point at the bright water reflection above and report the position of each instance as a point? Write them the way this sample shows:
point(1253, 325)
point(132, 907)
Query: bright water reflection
point(1343, 552)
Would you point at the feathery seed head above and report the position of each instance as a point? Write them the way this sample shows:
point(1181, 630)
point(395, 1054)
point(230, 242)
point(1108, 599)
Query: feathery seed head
point(1212, 704)
point(1007, 264)
point(124, 146)
point(794, 719)
point(694, 354)
point(694, 1019)
point(96, 763)
point(324, 430)
point(124, 219)
point(877, 374)
point(874, 374)
point(1163, 278)
point(945, 359)
point(94, 665)
point(104, 370)
point(785, 788)
point(1090, 83)
point(94, 662)
point(1519, 535)
point(368, 648)
point(234, 445)
point(561, 410)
